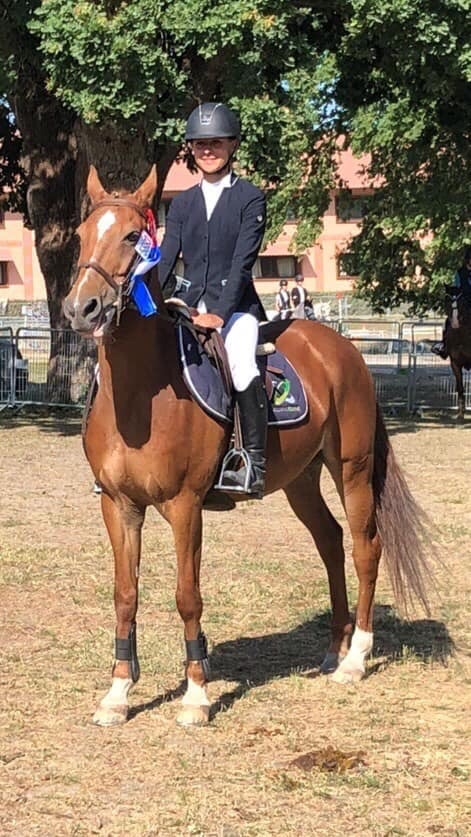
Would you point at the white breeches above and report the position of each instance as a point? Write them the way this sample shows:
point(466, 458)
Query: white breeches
point(240, 336)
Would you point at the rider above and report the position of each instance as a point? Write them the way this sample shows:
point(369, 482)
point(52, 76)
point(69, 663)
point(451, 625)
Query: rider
point(462, 280)
point(218, 227)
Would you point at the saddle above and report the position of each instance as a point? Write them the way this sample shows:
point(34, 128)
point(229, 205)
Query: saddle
point(206, 372)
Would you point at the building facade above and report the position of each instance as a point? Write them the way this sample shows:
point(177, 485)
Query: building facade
point(326, 266)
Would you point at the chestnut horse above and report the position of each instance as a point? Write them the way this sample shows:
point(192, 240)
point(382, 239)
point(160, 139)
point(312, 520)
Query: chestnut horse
point(458, 339)
point(150, 444)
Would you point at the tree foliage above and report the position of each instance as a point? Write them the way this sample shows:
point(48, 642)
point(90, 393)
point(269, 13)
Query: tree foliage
point(112, 83)
point(142, 66)
point(403, 94)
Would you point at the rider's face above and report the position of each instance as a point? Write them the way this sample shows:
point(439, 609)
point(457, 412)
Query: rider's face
point(211, 155)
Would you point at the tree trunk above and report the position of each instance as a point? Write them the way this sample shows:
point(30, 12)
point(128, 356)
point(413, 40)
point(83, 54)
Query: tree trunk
point(57, 151)
point(123, 160)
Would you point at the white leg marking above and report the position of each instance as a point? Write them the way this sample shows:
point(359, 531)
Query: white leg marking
point(352, 668)
point(195, 695)
point(113, 708)
point(118, 694)
point(195, 706)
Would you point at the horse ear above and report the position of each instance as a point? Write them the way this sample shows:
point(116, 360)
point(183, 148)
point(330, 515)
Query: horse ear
point(145, 194)
point(94, 186)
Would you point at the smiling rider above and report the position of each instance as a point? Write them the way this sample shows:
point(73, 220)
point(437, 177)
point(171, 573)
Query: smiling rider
point(217, 227)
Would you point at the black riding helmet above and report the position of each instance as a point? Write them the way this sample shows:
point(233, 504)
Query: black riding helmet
point(211, 120)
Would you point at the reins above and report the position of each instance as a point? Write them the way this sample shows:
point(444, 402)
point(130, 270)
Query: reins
point(210, 338)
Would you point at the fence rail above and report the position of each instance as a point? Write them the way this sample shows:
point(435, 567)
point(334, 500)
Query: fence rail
point(53, 367)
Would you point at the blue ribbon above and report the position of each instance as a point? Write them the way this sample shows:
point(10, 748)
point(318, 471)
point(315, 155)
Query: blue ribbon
point(140, 293)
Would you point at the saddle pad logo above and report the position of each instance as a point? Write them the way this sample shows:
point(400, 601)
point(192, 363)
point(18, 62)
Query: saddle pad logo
point(281, 391)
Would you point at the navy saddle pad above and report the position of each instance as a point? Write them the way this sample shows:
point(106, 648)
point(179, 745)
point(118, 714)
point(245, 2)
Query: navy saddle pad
point(287, 403)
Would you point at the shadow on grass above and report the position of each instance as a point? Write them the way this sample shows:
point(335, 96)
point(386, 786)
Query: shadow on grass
point(406, 423)
point(156, 703)
point(255, 661)
point(66, 421)
point(60, 421)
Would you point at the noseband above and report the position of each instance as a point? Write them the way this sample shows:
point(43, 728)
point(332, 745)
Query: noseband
point(121, 288)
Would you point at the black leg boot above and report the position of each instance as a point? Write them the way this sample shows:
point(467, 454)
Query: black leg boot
point(440, 348)
point(254, 419)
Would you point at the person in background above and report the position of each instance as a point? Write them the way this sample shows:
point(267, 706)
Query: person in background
point(301, 300)
point(298, 293)
point(282, 300)
point(462, 280)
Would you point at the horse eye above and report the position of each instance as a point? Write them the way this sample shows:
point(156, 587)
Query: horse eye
point(132, 237)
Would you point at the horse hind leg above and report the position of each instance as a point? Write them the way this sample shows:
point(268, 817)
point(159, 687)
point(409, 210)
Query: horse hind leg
point(305, 498)
point(357, 495)
point(458, 373)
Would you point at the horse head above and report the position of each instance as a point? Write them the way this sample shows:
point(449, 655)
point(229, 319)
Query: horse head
point(108, 237)
point(458, 307)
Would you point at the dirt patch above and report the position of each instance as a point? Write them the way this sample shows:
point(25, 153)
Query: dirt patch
point(266, 615)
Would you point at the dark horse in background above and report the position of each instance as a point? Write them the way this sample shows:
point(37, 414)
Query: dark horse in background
point(458, 338)
point(150, 444)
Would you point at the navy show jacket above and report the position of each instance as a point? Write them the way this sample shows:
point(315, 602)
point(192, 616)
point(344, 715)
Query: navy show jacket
point(218, 254)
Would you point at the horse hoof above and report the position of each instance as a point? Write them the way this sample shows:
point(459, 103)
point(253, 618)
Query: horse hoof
point(110, 716)
point(347, 676)
point(193, 716)
point(330, 663)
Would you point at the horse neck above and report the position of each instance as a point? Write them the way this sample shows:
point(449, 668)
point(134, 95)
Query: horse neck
point(140, 357)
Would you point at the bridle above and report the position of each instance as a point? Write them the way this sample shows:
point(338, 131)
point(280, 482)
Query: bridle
point(122, 288)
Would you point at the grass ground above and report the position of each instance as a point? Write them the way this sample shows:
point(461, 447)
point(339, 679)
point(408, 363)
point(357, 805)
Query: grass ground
point(287, 752)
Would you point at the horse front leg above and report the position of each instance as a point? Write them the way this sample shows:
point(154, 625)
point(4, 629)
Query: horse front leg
point(124, 524)
point(458, 373)
point(185, 517)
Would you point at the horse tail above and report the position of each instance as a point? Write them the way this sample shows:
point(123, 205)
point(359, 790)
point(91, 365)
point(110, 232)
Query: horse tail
point(403, 526)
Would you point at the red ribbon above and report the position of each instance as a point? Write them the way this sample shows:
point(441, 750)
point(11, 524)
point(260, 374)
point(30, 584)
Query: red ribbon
point(151, 226)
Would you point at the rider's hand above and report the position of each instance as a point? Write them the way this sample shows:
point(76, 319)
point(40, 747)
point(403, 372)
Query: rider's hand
point(208, 321)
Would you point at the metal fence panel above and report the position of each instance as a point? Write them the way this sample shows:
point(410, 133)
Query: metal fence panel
point(7, 365)
point(405, 371)
point(358, 328)
point(389, 361)
point(58, 366)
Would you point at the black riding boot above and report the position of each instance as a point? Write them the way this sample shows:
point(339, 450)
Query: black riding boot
point(253, 418)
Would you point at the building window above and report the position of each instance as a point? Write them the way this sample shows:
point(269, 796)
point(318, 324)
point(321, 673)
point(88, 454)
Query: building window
point(347, 266)
point(351, 207)
point(3, 273)
point(275, 267)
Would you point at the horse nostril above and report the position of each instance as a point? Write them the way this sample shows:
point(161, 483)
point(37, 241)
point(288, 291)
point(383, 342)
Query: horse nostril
point(92, 307)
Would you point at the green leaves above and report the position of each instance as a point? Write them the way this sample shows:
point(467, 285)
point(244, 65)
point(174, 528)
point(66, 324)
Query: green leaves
point(402, 84)
point(391, 75)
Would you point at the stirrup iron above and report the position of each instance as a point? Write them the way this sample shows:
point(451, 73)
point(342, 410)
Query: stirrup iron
point(232, 458)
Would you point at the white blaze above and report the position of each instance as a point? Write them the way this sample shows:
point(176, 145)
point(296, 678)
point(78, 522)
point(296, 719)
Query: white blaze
point(106, 221)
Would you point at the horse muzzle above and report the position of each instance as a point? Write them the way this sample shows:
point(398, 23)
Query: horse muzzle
point(90, 317)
